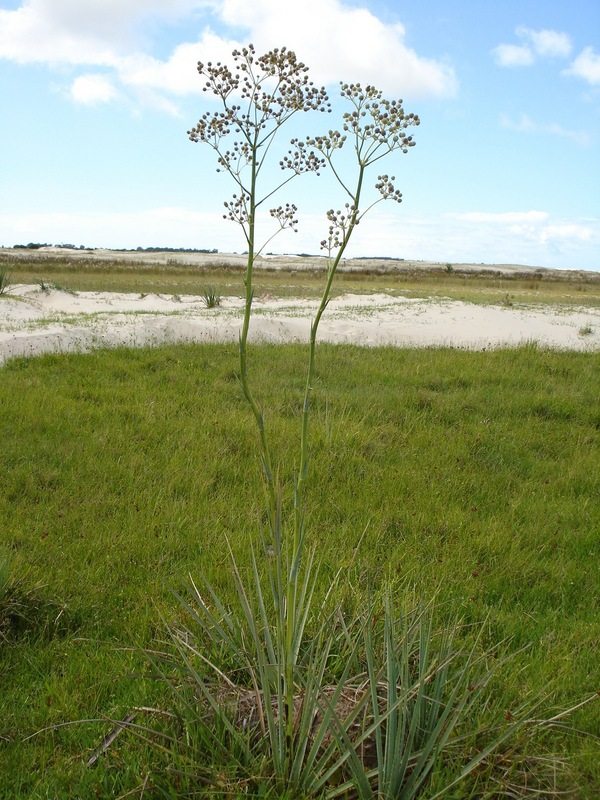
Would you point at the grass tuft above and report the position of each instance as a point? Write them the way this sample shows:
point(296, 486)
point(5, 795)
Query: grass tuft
point(211, 297)
point(378, 725)
point(5, 279)
point(48, 286)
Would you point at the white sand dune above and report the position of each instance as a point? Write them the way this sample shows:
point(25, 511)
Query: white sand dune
point(33, 321)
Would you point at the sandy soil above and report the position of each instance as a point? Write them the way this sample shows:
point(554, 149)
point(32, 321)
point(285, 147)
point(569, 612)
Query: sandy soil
point(34, 321)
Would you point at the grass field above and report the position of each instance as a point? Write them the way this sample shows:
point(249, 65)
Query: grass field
point(474, 475)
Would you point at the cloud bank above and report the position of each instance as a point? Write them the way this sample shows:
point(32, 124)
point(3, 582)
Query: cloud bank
point(336, 40)
point(533, 237)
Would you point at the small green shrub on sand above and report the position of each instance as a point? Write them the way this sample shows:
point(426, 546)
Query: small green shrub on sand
point(211, 297)
point(5, 280)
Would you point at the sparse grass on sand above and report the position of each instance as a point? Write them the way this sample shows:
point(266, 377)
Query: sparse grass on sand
point(475, 475)
point(5, 279)
point(119, 274)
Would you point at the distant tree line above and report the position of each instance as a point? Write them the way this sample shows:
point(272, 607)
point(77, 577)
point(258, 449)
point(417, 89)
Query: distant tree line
point(37, 245)
point(30, 246)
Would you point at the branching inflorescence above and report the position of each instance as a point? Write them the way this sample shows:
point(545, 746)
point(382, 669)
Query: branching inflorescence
point(257, 98)
point(376, 128)
point(267, 91)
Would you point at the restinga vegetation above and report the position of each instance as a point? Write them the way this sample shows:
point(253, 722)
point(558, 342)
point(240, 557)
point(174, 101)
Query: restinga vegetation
point(388, 625)
point(302, 276)
point(262, 670)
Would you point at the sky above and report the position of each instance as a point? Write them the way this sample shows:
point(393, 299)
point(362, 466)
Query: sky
point(97, 96)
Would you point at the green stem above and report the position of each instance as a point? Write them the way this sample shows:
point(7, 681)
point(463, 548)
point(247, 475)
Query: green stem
point(248, 394)
point(291, 645)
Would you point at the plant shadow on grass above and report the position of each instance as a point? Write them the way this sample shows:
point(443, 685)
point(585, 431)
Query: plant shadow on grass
point(27, 612)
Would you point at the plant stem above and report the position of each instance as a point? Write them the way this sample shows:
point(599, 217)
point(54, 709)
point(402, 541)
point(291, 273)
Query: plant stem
point(291, 645)
point(248, 394)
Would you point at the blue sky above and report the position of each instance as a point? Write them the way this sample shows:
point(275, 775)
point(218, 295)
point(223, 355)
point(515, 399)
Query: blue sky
point(96, 98)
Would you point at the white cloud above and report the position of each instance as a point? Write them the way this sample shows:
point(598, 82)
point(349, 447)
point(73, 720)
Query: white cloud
point(343, 42)
point(148, 98)
point(530, 237)
point(526, 125)
point(545, 43)
point(566, 232)
point(513, 55)
point(337, 41)
point(76, 32)
point(30, 34)
point(521, 237)
point(178, 74)
point(586, 66)
point(503, 217)
point(92, 89)
point(153, 227)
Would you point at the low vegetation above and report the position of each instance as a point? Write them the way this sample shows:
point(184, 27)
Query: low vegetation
point(311, 652)
point(5, 279)
point(120, 274)
point(470, 476)
point(211, 298)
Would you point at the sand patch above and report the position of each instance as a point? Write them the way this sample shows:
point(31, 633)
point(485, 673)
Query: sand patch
point(34, 321)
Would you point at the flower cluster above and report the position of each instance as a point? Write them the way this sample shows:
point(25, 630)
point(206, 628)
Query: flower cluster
point(341, 225)
point(328, 144)
point(258, 95)
point(286, 216)
point(263, 102)
point(376, 121)
point(211, 128)
point(237, 209)
point(235, 159)
point(385, 187)
point(376, 127)
point(300, 159)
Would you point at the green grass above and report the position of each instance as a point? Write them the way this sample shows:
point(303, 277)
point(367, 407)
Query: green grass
point(5, 279)
point(125, 470)
point(211, 298)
